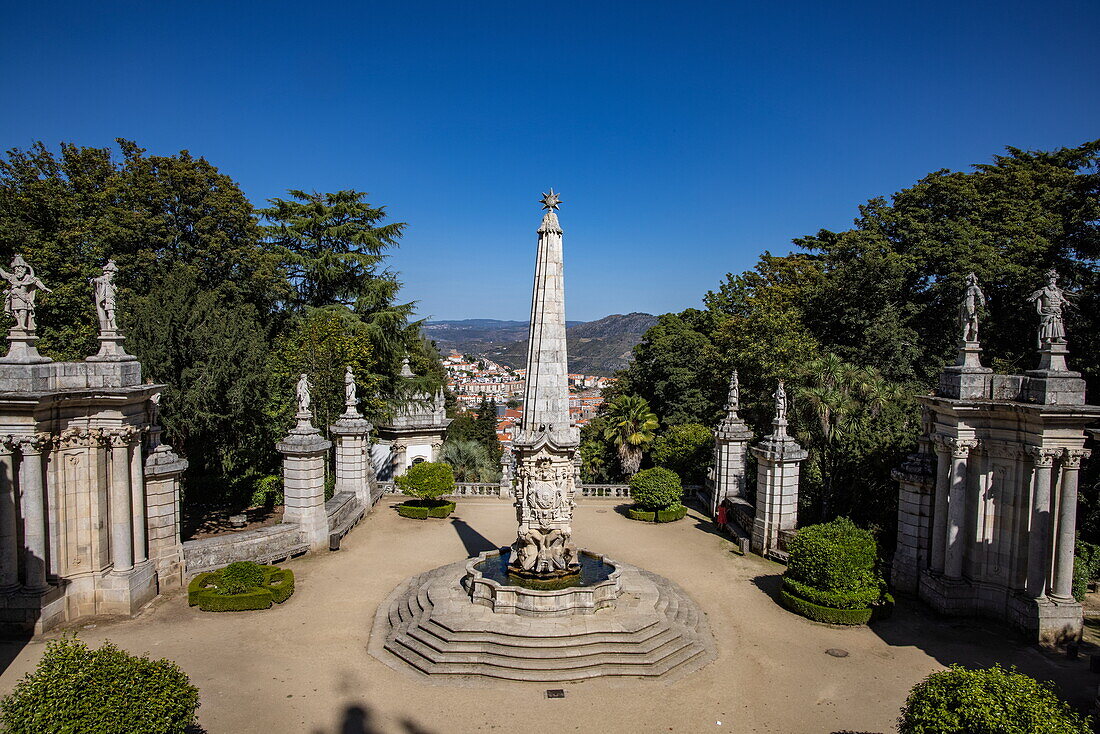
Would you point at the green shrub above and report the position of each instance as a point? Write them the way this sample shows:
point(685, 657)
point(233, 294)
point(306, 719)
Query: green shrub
point(77, 689)
point(861, 599)
point(416, 512)
point(267, 491)
point(687, 449)
point(656, 489)
point(819, 613)
point(988, 701)
point(834, 556)
point(427, 480)
point(211, 592)
point(667, 515)
point(1086, 568)
point(239, 577)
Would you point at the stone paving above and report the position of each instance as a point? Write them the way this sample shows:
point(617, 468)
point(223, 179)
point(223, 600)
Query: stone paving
point(304, 666)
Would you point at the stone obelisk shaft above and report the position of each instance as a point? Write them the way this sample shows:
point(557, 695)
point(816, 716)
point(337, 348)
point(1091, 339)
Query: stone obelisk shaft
point(546, 395)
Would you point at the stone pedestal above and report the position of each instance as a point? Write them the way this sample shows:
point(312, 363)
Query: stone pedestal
point(731, 441)
point(353, 466)
point(22, 349)
point(163, 470)
point(111, 349)
point(304, 450)
point(778, 459)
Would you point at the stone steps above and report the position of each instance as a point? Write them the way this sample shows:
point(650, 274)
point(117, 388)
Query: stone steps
point(428, 624)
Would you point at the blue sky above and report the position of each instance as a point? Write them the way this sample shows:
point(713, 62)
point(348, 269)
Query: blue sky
point(685, 138)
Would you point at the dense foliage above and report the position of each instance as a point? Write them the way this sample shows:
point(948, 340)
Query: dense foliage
point(240, 586)
point(858, 321)
point(472, 446)
point(656, 489)
point(687, 449)
point(427, 480)
point(104, 691)
point(989, 701)
point(835, 556)
point(629, 426)
point(223, 303)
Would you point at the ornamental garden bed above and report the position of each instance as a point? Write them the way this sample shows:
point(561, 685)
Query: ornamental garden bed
point(656, 493)
point(423, 509)
point(832, 575)
point(241, 586)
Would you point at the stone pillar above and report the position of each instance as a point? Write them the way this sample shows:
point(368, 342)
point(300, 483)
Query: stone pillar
point(137, 502)
point(506, 459)
point(163, 470)
point(122, 530)
point(956, 508)
point(9, 533)
point(778, 458)
point(34, 511)
point(916, 481)
point(304, 450)
point(1039, 536)
point(1067, 525)
point(352, 434)
point(731, 439)
point(939, 517)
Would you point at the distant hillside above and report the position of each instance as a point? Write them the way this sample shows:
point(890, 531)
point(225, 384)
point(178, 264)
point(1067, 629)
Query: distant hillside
point(595, 347)
point(477, 336)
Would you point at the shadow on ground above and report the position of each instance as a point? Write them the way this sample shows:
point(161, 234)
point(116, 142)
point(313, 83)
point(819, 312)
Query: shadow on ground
point(10, 647)
point(474, 541)
point(358, 719)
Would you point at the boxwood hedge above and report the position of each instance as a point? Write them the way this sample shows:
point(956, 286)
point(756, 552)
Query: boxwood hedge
point(213, 592)
point(670, 514)
point(422, 509)
point(820, 613)
point(656, 489)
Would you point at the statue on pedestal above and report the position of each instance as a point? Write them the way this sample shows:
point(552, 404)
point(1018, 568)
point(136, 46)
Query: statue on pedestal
point(350, 401)
point(106, 297)
point(23, 285)
point(973, 299)
point(780, 396)
point(302, 392)
point(1049, 302)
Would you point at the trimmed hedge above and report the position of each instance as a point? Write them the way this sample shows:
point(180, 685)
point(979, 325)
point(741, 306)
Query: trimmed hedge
point(419, 510)
point(836, 599)
point(834, 556)
point(656, 489)
point(212, 593)
point(819, 613)
point(427, 480)
point(670, 514)
point(961, 701)
point(77, 689)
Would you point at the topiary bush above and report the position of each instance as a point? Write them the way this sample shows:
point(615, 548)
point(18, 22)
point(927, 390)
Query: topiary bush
point(77, 689)
point(656, 489)
point(423, 509)
point(832, 566)
point(988, 701)
point(239, 587)
point(427, 480)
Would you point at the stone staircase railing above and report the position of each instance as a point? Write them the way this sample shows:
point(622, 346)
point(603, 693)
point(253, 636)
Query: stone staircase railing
point(485, 489)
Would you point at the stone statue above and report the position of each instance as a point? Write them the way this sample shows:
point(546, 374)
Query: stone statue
point(23, 285)
point(781, 406)
point(106, 295)
point(1049, 302)
point(972, 300)
point(733, 402)
point(349, 389)
point(302, 390)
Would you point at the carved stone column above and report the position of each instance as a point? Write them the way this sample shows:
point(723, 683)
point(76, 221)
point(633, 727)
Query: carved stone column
point(304, 451)
point(939, 516)
point(121, 513)
point(956, 507)
point(1039, 537)
point(137, 500)
point(352, 434)
point(1067, 525)
point(34, 511)
point(9, 533)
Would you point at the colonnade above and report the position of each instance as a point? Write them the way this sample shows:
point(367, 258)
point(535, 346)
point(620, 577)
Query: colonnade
point(1052, 509)
point(27, 502)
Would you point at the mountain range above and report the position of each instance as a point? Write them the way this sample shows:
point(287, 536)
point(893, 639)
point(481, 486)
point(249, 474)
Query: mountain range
point(595, 347)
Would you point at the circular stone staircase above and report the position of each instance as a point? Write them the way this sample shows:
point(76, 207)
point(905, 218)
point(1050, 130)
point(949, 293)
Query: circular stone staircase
point(428, 625)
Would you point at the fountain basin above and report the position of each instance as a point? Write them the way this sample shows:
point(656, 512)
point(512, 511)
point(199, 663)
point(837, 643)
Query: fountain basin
point(596, 586)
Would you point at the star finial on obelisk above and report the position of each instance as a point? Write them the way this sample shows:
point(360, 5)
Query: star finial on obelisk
point(550, 201)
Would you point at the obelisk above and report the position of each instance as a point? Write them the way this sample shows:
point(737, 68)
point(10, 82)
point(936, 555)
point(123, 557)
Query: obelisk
point(547, 440)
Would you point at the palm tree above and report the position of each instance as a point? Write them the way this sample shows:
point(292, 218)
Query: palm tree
point(469, 460)
point(630, 427)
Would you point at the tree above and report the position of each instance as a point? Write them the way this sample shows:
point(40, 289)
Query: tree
point(427, 481)
point(470, 461)
point(597, 454)
point(687, 449)
point(630, 428)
